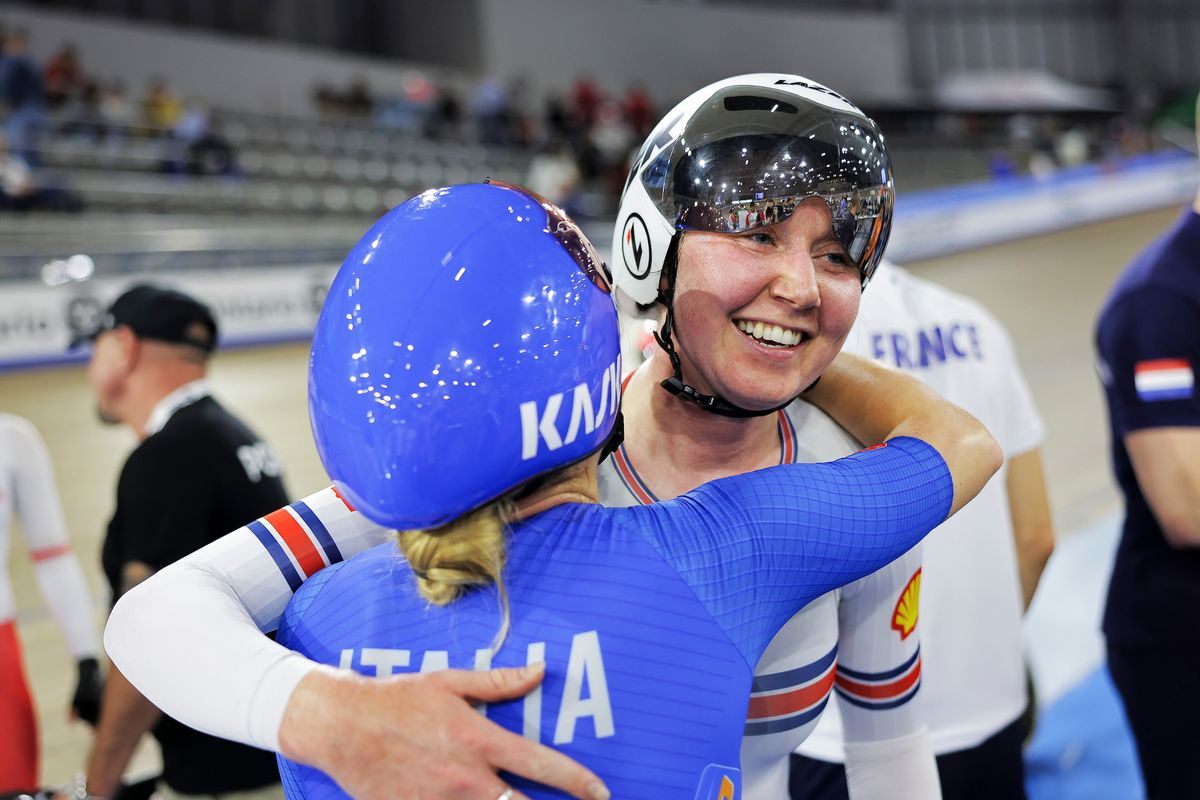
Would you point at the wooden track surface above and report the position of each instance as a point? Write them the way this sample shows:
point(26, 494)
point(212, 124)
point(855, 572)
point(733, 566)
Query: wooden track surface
point(1045, 290)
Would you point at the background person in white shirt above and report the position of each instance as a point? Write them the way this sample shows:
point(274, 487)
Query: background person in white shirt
point(981, 568)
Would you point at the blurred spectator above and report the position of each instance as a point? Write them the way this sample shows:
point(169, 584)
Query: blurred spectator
point(585, 101)
point(193, 122)
point(1042, 160)
point(489, 106)
point(115, 107)
point(359, 101)
point(638, 111)
point(1001, 166)
point(160, 107)
point(22, 93)
point(62, 76)
point(554, 174)
point(409, 109)
point(558, 119)
point(356, 101)
point(82, 116)
point(611, 140)
point(1072, 147)
point(1021, 131)
point(523, 129)
point(326, 100)
point(19, 191)
point(198, 147)
point(445, 115)
point(1125, 138)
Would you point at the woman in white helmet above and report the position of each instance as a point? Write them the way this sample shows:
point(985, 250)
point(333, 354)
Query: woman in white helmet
point(752, 219)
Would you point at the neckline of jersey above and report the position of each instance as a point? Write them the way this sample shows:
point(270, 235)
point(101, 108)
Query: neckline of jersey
point(641, 491)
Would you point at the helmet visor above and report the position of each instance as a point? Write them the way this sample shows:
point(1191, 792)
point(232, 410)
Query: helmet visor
point(750, 156)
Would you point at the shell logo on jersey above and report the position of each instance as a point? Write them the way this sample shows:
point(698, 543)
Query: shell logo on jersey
point(719, 782)
point(904, 616)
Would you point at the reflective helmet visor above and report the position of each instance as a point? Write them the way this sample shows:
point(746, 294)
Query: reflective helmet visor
point(751, 155)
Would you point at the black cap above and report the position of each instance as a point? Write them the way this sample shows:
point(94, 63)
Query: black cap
point(165, 315)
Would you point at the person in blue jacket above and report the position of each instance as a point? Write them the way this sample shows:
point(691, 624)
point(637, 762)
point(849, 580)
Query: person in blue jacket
point(464, 381)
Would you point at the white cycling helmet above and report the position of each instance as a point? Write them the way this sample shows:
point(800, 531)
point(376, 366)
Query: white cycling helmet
point(744, 152)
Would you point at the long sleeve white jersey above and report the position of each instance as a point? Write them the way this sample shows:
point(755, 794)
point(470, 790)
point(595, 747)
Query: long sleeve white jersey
point(28, 493)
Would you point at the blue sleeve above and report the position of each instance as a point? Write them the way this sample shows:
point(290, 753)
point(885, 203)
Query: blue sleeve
point(756, 548)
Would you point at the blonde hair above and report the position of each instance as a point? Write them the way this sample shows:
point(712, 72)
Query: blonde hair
point(469, 552)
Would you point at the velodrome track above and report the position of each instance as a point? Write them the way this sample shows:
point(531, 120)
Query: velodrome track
point(1046, 290)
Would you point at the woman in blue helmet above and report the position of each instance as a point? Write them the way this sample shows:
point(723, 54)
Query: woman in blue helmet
point(465, 376)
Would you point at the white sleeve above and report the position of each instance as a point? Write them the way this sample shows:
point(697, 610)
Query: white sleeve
point(190, 637)
point(56, 569)
point(894, 769)
point(879, 655)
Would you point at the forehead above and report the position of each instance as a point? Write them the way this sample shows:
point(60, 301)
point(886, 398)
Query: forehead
point(811, 211)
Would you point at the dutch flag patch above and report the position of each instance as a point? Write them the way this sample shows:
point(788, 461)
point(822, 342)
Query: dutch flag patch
point(1164, 379)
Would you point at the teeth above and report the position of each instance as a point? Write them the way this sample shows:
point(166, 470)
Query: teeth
point(774, 334)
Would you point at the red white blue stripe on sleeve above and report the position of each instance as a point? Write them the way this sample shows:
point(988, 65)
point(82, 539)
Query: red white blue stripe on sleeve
point(880, 690)
point(1164, 379)
point(298, 542)
point(784, 701)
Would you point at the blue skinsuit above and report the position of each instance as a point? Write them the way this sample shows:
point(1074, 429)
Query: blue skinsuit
point(650, 619)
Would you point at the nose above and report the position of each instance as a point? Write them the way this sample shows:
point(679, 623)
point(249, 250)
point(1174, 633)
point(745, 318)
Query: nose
point(796, 283)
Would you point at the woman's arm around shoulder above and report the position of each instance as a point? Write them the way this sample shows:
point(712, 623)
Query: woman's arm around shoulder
point(875, 404)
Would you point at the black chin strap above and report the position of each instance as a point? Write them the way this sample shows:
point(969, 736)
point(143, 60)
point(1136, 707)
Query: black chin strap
point(675, 385)
point(615, 439)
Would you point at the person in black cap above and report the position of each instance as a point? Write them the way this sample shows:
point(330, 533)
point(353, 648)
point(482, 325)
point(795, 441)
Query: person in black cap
point(196, 473)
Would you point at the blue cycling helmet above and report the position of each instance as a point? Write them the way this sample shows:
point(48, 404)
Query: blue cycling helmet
point(467, 345)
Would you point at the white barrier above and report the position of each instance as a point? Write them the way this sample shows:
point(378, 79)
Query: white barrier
point(951, 220)
point(252, 306)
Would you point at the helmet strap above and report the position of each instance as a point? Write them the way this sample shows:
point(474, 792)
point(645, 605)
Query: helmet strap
point(676, 385)
point(616, 438)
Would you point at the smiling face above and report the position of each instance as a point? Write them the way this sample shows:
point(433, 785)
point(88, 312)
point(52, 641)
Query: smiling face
point(760, 315)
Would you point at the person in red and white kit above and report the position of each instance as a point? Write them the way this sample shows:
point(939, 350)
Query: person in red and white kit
point(980, 569)
point(27, 490)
